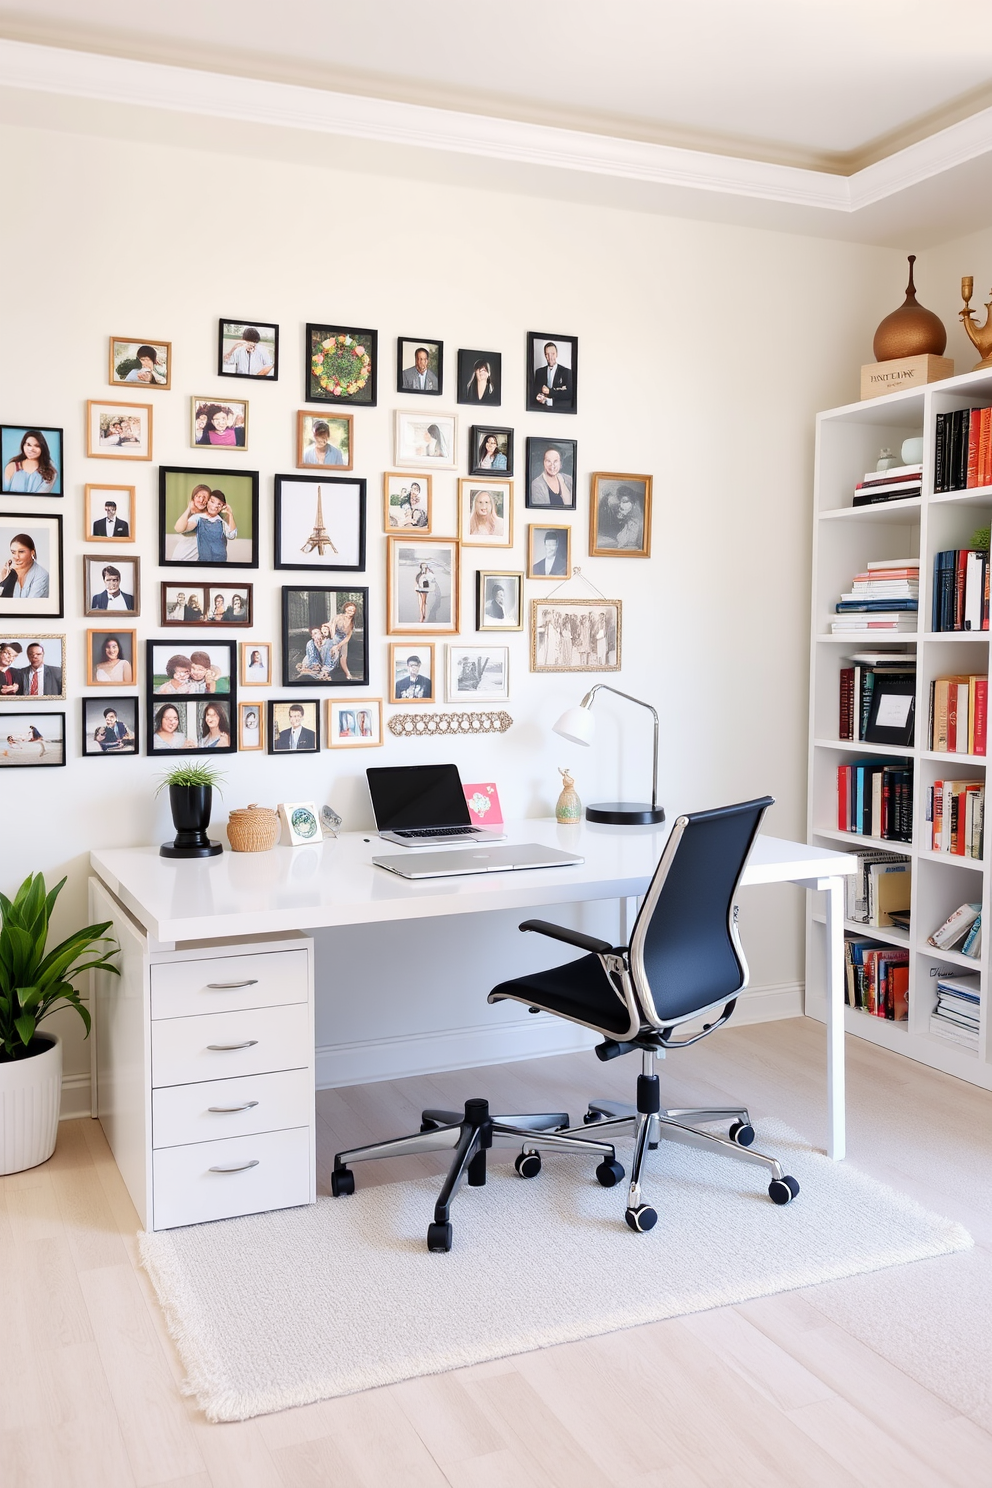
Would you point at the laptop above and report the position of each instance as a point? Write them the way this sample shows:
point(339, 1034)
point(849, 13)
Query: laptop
point(483, 860)
point(423, 806)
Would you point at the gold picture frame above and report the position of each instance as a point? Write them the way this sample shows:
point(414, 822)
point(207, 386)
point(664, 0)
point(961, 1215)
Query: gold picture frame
point(587, 648)
point(619, 515)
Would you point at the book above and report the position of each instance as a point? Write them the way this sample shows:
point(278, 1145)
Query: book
point(893, 563)
point(946, 1030)
point(972, 943)
point(964, 985)
point(896, 473)
point(874, 495)
point(483, 804)
point(955, 927)
point(890, 885)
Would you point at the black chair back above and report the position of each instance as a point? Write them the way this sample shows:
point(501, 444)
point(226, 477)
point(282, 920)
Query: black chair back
point(685, 954)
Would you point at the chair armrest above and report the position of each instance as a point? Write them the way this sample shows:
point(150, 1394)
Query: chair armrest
point(570, 937)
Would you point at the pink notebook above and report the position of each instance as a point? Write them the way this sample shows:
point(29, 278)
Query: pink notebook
point(483, 804)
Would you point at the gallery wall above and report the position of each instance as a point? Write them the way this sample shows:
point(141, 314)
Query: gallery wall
point(705, 351)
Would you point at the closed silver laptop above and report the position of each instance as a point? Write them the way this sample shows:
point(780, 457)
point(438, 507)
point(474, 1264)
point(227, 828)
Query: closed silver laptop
point(466, 860)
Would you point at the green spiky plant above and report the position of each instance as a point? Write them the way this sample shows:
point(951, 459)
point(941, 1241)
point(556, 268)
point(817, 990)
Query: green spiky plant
point(191, 775)
point(35, 982)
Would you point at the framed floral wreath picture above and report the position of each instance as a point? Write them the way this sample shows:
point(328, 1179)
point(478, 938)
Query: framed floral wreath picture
point(341, 365)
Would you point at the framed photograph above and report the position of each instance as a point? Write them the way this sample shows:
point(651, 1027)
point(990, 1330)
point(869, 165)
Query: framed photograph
point(549, 552)
point(207, 604)
point(419, 366)
point(325, 441)
point(256, 663)
point(32, 739)
point(111, 586)
point(147, 363)
point(575, 635)
point(891, 715)
point(478, 673)
point(480, 378)
point(325, 637)
point(552, 372)
point(620, 516)
point(32, 666)
point(30, 566)
point(411, 672)
point(499, 601)
point(179, 670)
point(490, 449)
point(320, 522)
point(341, 365)
point(191, 697)
point(207, 517)
point(109, 513)
point(354, 723)
point(190, 725)
point(251, 726)
point(551, 474)
point(111, 658)
point(110, 726)
point(425, 440)
point(248, 348)
point(31, 458)
point(219, 422)
point(485, 513)
point(406, 501)
point(118, 431)
point(294, 726)
point(422, 586)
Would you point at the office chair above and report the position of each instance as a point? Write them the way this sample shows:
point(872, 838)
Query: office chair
point(683, 962)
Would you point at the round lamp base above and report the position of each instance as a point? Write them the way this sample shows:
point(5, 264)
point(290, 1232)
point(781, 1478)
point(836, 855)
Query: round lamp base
point(626, 813)
point(205, 849)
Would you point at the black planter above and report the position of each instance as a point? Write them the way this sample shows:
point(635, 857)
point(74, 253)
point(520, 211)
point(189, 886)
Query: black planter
point(191, 815)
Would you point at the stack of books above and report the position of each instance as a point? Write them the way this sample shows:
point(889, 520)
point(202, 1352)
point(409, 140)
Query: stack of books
point(961, 931)
point(885, 595)
point(875, 799)
point(858, 679)
point(963, 458)
point(956, 813)
point(898, 484)
point(959, 714)
point(961, 589)
point(878, 894)
point(877, 978)
point(959, 1002)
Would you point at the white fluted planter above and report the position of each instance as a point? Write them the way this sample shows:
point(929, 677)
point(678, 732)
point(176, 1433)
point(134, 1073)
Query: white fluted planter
point(30, 1094)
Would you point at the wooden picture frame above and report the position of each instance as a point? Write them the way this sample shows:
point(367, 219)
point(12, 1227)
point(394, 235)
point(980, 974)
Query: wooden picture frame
point(405, 685)
point(583, 648)
point(250, 740)
point(95, 500)
point(143, 360)
point(619, 515)
point(399, 490)
point(488, 600)
point(178, 607)
point(422, 580)
point(210, 409)
point(544, 562)
point(310, 440)
point(118, 431)
point(247, 672)
point(128, 584)
point(99, 658)
point(366, 714)
point(496, 512)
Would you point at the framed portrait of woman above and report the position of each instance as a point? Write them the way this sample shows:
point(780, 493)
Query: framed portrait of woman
point(325, 637)
point(256, 663)
point(251, 726)
point(480, 378)
point(207, 518)
point(111, 658)
point(31, 460)
point(422, 586)
point(325, 440)
point(30, 566)
point(490, 450)
point(425, 441)
point(485, 513)
point(190, 725)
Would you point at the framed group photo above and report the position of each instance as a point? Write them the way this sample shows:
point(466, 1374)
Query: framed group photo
point(30, 566)
point(422, 587)
point(219, 422)
point(294, 726)
point(419, 366)
point(411, 672)
point(111, 586)
point(620, 516)
point(251, 726)
point(147, 363)
point(191, 695)
point(31, 460)
point(256, 663)
point(111, 658)
point(354, 723)
point(118, 431)
point(552, 373)
point(324, 637)
point(208, 517)
point(424, 439)
point(190, 726)
point(207, 604)
point(575, 635)
point(549, 552)
point(478, 673)
point(480, 378)
point(32, 666)
point(32, 739)
point(490, 448)
point(406, 501)
point(485, 513)
point(320, 522)
point(499, 603)
point(110, 726)
point(325, 439)
point(341, 365)
point(551, 474)
point(109, 513)
point(178, 670)
point(248, 348)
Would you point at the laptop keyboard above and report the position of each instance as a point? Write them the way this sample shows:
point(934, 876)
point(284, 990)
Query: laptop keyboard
point(435, 832)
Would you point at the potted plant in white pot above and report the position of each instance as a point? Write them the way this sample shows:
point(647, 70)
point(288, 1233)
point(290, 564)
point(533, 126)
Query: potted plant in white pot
point(34, 982)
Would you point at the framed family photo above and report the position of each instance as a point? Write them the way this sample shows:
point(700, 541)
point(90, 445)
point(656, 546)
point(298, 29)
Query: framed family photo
point(620, 516)
point(251, 726)
point(219, 422)
point(549, 552)
point(32, 739)
point(191, 696)
point(575, 635)
point(406, 501)
point(190, 725)
point(294, 726)
point(31, 460)
point(207, 604)
point(319, 522)
point(32, 666)
point(324, 637)
point(341, 365)
point(111, 658)
point(208, 517)
point(354, 723)
point(256, 663)
point(551, 473)
point(421, 585)
point(177, 670)
point(109, 513)
point(324, 440)
point(110, 726)
point(248, 348)
point(426, 439)
point(30, 566)
point(419, 366)
point(499, 601)
point(552, 373)
point(147, 363)
point(411, 672)
point(111, 586)
point(478, 672)
point(118, 431)
point(480, 378)
point(485, 513)
point(490, 448)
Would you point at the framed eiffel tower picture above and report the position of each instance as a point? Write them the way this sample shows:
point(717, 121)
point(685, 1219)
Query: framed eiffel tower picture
point(320, 522)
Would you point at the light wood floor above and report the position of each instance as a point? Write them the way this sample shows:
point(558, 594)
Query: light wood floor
point(766, 1394)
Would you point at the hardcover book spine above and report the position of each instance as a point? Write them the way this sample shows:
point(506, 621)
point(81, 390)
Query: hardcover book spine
point(940, 453)
point(867, 688)
point(974, 431)
point(985, 429)
point(954, 450)
point(981, 713)
point(846, 724)
point(960, 575)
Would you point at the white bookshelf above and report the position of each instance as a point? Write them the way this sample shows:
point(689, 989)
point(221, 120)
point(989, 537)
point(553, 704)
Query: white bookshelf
point(845, 538)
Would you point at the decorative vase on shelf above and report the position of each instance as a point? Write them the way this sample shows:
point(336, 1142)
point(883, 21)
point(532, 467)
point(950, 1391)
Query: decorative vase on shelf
point(912, 330)
point(569, 807)
point(191, 817)
point(886, 459)
point(912, 450)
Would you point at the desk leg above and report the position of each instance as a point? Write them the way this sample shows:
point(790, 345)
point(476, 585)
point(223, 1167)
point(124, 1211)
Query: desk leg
point(834, 888)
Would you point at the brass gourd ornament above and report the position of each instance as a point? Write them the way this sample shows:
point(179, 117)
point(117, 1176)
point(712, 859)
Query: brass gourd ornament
point(912, 330)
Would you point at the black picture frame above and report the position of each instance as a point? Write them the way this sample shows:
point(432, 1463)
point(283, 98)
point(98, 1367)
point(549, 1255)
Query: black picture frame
point(92, 712)
point(308, 606)
point(364, 397)
point(176, 482)
point(234, 320)
point(206, 597)
point(477, 437)
point(535, 485)
point(311, 721)
point(32, 524)
point(407, 348)
point(467, 385)
point(12, 436)
point(287, 551)
point(189, 705)
point(564, 400)
point(900, 689)
point(10, 758)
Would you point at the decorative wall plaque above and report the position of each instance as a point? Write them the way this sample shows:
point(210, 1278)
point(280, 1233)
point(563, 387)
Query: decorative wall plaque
point(414, 725)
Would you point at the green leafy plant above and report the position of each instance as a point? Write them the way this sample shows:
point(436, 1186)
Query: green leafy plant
point(191, 775)
point(33, 984)
point(980, 537)
point(129, 364)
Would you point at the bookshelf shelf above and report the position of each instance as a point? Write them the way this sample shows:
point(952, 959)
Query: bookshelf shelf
point(859, 746)
point(889, 934)
point(955, 958)
point(953, 759)
point(882, 511)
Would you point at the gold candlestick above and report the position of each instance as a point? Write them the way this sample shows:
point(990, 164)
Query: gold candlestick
point(979, 335)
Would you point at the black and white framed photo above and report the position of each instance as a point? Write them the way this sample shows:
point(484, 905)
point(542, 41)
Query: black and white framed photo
point(111, 586)
point(325, 439)
point(891, 717)
point(208, 517)
point(341, 365)
point(248, 348)
point(294, 726)
point(422, 588)
point(221, 423)
point(112, 658)
point(30, 566)
point(207, 604)
point(575, 635)
point(620, 516)
point(31, 460)
point(485, 513)
point(118, 431)
point(411, 672)
point(251, 726)
point(110, 726)
point(478, 672)
point(197, 669)
point(549, 551)
point(425, 440)
point(499, 601)
point(480, 378)
point(320, 522)
point(552, 372)
point(109, 513)
point(142, 363)
point(32, 666)
point(490, 448)
point(354, 723)
point(551, 473)
point(190, 725)
point(32, 738)
point(406, 501)
point(419, 366)
point(324, 637)
point(256, 663)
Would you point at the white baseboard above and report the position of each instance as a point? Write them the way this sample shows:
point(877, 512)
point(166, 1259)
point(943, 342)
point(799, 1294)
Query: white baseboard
point(767, 1004)
point(75, 1097)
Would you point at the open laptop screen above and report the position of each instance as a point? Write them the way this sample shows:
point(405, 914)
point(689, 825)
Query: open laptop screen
point(411, 796)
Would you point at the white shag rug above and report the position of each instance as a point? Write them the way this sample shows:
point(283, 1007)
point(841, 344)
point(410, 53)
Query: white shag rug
point(282, 1309)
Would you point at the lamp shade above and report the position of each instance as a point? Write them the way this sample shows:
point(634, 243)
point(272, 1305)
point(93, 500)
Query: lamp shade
point(577, 725)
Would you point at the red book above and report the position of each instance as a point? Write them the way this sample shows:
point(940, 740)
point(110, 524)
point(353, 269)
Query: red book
point(899, 982)
point(843, 798)
point(974, 433)
point(952, 719)
point(984, 432)
point(981, 713)
point(959, 587)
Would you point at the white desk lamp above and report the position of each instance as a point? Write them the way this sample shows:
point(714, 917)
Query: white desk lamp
point(578, 726)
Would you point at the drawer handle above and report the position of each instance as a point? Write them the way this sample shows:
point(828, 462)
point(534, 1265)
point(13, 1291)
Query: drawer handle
point(227, 1110)
point(230, 986)
point(234, 1167)
point(226, 1048)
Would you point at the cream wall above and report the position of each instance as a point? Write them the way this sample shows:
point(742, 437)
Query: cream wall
point(705, 351)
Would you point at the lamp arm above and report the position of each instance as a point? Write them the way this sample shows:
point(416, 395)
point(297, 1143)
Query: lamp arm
point(605, 687)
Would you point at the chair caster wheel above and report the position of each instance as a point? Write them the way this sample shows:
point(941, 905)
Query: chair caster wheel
point(528, 1164)
point(783, 1190)
point(742, 1133)
point(591, 1117)
point(342, 1182)
point(609, 1172)
point(642, 1218)
point(439, 1236)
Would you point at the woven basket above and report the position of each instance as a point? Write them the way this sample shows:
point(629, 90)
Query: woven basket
point(252, 829)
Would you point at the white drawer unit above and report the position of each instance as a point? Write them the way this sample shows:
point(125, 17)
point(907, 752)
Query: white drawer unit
point(221, 1045)
point(183, 989)
point(229, 1108)
point(237, 1175)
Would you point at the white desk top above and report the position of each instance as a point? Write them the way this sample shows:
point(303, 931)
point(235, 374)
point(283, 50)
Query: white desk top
point(336, 883)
